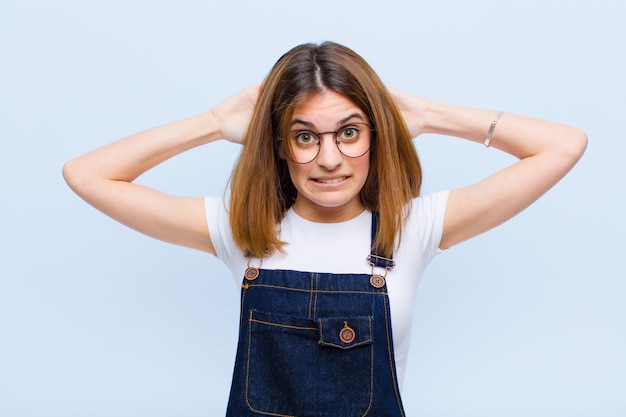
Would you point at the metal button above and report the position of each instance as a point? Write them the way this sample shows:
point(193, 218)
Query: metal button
point(252, 273)
point(377, 281)
point(347, 335)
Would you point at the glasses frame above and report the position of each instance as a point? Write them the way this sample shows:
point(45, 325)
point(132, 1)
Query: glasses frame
point(335, 133)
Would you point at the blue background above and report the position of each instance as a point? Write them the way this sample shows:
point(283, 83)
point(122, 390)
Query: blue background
point(97, 320)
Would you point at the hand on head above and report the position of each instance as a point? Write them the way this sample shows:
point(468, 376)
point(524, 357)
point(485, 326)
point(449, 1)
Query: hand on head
point(414, 110)
point(233, 114)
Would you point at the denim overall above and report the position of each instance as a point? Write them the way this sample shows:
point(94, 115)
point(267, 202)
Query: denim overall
point(315, 345)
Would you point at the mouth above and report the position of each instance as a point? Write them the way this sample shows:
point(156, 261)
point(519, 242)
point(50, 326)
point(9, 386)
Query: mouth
point(335, 180)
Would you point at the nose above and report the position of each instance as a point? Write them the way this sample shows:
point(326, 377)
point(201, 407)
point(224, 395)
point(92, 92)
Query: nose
point(329, 156)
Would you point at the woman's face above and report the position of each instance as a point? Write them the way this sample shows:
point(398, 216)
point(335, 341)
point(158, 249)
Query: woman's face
point(329, 186)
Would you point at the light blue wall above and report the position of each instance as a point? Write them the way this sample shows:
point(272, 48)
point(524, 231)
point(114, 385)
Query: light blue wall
point(96, 320)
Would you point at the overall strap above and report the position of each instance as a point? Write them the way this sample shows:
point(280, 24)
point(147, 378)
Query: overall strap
point(374, 258)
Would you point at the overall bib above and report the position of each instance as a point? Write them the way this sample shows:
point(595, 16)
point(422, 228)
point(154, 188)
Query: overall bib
point(315, 345)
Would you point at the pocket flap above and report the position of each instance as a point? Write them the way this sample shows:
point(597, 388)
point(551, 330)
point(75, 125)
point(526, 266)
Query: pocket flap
point(345, 332)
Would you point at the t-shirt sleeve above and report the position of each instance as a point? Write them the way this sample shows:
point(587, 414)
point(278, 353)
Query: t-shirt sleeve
point(219, 227)
point(426, 221)
point(216, 210)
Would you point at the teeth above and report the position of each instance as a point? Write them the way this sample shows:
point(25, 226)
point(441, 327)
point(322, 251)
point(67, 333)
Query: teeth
point(331, 181)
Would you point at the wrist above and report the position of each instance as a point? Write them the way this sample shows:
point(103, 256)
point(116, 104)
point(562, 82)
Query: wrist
point(435, 119)
point(462, 122)
point(208, 127)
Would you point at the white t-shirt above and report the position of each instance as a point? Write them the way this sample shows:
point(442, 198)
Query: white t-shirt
point(343, 248)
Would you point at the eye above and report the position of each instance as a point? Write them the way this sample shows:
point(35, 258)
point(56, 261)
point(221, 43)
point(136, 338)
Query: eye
point(304, 137)
point(348, 133)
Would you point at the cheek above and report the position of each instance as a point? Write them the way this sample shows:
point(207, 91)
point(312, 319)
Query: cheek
point(363, 166)
point(296, 172)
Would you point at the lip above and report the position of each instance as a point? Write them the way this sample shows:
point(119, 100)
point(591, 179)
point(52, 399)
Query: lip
point(331, 181)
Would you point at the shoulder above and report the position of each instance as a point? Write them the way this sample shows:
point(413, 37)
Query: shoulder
point(425, 220)
point(432, 200)
point(216, 211)
point(218, 222)
point(428, 206)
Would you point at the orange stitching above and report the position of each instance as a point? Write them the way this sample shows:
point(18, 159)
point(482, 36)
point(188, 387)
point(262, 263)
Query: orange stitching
point(317, 283)
point(316, 292)
point(243, 297)
point(371, 375)
point(310, 295)
point(282, 325)
point(248, 375)
point(248, 362)
point(319, 291)
point(391, 359)
point(362, 343)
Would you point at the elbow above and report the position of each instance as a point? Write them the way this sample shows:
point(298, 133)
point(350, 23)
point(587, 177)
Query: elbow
point(73, 175)
point(69, 173)
point(578, 143)
point(574, 145)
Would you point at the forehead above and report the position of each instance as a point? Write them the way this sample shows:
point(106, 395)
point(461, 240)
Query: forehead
point(326, 107)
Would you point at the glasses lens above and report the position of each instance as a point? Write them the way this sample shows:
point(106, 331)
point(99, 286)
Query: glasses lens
point(302, 146)
point(354, 140)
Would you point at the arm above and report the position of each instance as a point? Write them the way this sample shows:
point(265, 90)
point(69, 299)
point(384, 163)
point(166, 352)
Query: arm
point(546, 152)
point(104, 177)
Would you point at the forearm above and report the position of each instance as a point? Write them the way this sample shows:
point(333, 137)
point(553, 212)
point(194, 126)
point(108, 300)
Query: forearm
point(519, 136)
point(126, 159)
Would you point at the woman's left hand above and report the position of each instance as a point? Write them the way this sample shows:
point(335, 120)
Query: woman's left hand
point(414, 110)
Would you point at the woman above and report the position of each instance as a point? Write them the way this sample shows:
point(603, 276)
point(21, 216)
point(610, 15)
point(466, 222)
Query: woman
point(325, 221)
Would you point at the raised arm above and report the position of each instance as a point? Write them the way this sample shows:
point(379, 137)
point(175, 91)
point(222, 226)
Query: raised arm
point(546, 152)
point(104, 177)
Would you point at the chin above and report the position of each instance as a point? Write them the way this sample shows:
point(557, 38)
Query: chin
point(336, 202)
point(332, 205)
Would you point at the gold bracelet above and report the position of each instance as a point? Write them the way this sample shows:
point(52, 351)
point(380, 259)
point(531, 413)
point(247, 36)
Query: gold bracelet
point(491, 128)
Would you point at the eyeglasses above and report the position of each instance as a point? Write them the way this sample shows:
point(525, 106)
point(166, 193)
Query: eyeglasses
point(352, 140)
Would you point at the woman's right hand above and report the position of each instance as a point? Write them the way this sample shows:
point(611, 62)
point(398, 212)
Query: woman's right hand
point(232, 115)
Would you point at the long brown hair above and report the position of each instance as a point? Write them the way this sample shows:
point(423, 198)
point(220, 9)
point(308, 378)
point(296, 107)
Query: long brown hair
point(261, 189)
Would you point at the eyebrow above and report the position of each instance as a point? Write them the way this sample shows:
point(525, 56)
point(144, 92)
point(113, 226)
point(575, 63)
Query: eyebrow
point(340, 122)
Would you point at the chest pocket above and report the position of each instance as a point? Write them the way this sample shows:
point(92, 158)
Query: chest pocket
point(303, 367)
